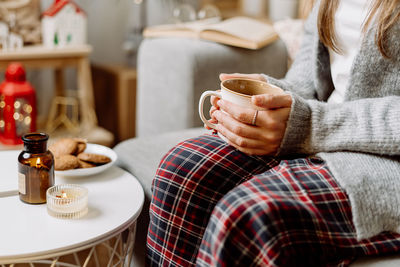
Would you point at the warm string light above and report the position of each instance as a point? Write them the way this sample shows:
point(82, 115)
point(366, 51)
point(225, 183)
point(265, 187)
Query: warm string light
point(19, 116)
point(2, 106)
point(17, 104)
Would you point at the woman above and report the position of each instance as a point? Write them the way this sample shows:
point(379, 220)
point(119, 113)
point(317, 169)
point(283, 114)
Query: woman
point(313, 180)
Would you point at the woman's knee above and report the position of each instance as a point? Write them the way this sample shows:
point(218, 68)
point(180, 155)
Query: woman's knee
point(187, 160)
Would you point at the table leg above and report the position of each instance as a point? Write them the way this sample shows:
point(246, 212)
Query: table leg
point(126, 104)
point(59, 82)
point(86, 96)
point(59, 91)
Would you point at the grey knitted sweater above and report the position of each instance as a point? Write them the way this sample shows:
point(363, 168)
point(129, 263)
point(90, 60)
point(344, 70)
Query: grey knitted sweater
point(358, 139)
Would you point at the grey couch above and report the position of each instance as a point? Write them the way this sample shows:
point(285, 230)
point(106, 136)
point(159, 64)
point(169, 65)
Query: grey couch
point(172, 74)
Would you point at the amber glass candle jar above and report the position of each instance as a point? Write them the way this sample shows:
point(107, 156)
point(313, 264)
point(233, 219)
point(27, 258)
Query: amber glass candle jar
point(35, 169)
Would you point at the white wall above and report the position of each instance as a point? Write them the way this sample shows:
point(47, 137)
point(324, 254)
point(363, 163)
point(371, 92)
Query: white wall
point(108, 23)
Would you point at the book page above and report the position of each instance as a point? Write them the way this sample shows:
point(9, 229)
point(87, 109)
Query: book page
point(238, 31)
point(196, 26)
point(244, 28)
point(187, 29)
point(200, 25)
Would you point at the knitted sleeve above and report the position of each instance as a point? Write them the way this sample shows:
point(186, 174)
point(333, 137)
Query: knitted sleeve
point(369, 125)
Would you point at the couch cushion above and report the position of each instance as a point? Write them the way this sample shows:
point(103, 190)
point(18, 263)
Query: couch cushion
point(141, 156)
point(387, 261)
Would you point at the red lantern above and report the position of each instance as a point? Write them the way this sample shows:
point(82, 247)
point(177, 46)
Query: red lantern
point(17, 106)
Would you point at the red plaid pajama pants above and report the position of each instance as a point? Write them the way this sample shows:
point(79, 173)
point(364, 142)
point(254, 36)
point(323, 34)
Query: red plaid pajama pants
point(215, 206)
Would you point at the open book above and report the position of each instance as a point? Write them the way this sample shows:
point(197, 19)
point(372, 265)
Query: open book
point(237, 31)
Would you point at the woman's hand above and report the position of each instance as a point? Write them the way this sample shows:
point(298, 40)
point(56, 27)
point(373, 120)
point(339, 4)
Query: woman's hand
point(223, 77)
point(263, 138)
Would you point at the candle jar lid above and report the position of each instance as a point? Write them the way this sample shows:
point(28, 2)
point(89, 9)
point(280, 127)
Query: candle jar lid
point(35, 137)
point(67, 201)
point(35, 142)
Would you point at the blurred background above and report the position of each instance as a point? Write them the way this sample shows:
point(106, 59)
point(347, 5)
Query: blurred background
point(114, 33)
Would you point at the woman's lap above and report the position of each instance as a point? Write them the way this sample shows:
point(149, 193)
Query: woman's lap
point(190, 180)
point(283, 217)
point(265, 211)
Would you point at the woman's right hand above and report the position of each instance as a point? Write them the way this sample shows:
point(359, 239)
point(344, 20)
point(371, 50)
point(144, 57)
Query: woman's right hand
point(223, 77)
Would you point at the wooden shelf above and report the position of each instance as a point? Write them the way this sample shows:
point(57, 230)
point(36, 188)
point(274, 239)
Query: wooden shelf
point(41, 52)
point(37, 57)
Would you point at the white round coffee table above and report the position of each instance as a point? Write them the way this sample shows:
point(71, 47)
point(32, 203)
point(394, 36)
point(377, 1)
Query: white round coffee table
point(29, 234)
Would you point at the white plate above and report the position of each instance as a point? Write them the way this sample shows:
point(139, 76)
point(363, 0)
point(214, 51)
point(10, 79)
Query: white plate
point(96, 149)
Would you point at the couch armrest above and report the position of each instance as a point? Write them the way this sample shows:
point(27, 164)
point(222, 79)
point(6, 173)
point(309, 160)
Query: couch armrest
point(173, 73)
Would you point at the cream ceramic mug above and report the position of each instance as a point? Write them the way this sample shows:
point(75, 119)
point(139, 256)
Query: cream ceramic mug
point(238, 91)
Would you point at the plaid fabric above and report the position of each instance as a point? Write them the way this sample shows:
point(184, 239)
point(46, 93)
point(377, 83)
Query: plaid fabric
point(217, 206)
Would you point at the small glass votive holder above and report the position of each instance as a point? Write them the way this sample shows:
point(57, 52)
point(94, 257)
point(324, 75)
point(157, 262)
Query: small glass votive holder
point(67, 201)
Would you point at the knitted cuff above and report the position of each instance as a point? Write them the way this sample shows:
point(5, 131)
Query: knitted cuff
point(296, 137)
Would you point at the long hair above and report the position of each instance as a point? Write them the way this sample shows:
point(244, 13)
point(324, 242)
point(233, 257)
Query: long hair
point(385, 12)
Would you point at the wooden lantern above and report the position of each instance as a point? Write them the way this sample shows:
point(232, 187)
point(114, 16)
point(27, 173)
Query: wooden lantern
point(17, 106)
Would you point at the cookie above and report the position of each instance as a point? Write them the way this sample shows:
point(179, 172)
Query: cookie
point(64, 146)
point(65, 162)
point(84, 164)
point(81, 145)
point(94, 158)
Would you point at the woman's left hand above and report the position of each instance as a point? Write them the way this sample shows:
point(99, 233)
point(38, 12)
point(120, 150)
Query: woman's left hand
point(263, 138)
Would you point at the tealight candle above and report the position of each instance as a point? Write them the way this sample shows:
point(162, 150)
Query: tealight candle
point(68, 201)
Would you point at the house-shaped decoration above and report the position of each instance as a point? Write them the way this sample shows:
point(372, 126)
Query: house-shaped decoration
point(9, 40)
point(64, 23)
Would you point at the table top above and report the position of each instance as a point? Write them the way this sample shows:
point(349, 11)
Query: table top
point(42, 52)
point(27, 232)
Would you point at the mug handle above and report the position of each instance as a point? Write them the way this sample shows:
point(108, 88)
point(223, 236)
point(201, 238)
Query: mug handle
point(201, 106)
